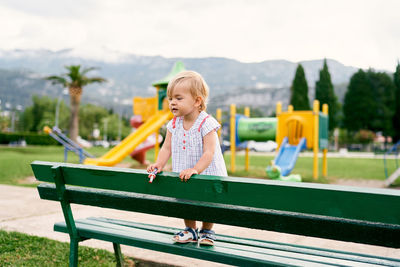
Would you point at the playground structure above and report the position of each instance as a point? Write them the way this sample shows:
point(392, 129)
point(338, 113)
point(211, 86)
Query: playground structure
point(154, 113)
point(292, 130)
point(68, 144)
point(138, 154)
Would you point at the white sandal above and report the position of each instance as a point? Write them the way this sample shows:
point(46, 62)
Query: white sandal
point(186, 236)
point(207, 237)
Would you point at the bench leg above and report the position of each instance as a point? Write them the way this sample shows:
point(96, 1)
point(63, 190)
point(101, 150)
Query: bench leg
point(118, 254)
point(73, 252)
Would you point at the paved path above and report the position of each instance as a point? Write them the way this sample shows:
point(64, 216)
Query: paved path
point(22, 210)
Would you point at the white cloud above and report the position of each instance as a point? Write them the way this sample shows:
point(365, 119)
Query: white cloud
point(359, 33)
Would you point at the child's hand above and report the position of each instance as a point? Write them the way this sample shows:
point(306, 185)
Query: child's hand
point(152, 167)
point(186, 174)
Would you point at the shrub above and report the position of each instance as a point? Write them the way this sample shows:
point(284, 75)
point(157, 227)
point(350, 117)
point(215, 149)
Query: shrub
point(30, 138)
point(364, 136)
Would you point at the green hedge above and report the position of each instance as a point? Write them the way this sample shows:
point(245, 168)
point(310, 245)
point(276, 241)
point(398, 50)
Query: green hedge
point(30, 138)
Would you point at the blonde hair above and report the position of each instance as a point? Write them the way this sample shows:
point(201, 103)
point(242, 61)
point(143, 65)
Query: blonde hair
point(197, 86)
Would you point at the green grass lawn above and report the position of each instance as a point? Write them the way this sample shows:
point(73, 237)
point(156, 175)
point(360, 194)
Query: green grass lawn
point(15, 161)
point(15, 164)
point(19, 249)
point(338, 168)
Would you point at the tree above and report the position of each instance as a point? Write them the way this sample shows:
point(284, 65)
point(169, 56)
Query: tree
point(113, 122)
point(324, 92)
point(42, 113)
point(357, 104)
point(75, 79)
point(91, 116)
point(41, 106)
point(384, 102)
point(396, 117)
point(369, 102)
point(4, 123)
point(299, 91)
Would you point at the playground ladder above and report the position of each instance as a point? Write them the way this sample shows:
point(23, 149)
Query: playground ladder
point(69, 145)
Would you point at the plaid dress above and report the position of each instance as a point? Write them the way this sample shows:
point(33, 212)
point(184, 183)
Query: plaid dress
point(187, 146)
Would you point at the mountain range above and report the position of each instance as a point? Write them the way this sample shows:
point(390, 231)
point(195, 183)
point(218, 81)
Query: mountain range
point(258, 84)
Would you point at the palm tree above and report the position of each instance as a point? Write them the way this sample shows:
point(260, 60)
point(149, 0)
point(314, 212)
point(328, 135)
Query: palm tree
point(75, 79)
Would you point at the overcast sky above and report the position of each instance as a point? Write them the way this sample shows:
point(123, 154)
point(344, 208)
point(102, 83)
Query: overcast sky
point(360, 33)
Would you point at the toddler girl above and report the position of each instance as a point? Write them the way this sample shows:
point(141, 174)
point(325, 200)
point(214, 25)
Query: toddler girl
point(193, 143)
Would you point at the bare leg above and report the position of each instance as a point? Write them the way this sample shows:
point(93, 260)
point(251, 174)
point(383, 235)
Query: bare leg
point(190, 223)
point(207, 226)
point(208, 237)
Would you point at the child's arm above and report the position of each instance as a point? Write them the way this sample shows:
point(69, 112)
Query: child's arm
point(163, 155)
point(206, 158)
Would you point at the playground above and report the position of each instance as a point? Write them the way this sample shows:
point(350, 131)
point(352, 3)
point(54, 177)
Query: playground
point(293, 131)
point(301, 136)
point(301, 161)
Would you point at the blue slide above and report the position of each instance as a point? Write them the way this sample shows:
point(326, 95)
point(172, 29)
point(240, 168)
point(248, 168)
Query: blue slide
point(288, 154)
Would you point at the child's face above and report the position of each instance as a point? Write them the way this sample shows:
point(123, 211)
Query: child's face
point(182, 103)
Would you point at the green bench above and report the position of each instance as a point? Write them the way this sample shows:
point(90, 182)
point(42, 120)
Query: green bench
point(368, 216)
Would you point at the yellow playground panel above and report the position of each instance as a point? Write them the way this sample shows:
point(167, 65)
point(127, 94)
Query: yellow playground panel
point(295, 125)
point(312, 125)
point(145, 106)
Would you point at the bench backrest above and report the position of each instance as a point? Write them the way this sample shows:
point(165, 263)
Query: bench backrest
point(364, 215)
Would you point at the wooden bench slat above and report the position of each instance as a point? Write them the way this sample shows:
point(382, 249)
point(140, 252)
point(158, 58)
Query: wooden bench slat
point(265, 244)
point(265, 219)
point(163, 243)
point(227, 251)
point(318, 199)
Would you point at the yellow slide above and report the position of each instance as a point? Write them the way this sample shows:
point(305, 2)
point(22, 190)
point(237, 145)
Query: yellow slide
point(127, 145)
